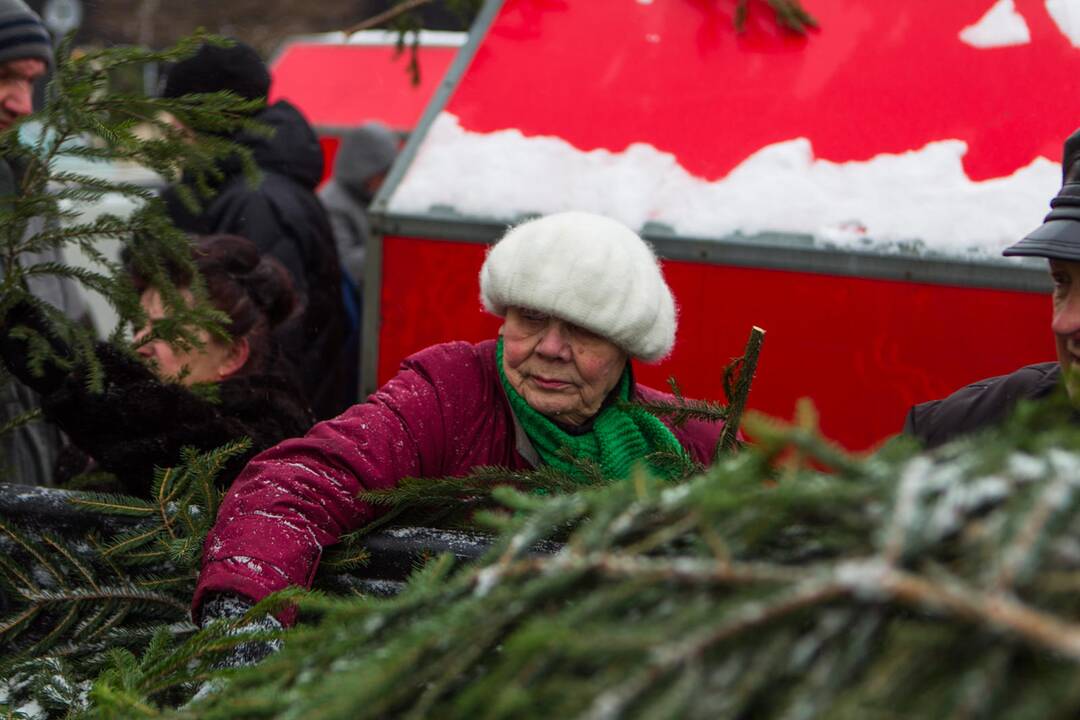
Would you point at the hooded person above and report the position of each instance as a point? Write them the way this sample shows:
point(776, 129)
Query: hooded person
point(362, 162)
point(579, 295)
point(280, 214)
point(990, 401)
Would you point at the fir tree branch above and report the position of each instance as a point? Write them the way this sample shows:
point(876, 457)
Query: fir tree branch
point(114, 504)
point(104, 593)
point(737, 400)
point(386, 16)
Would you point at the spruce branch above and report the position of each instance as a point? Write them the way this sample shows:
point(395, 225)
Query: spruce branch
point(737, 392)
point(685, 409)
point(792, 15)
point(386, 16)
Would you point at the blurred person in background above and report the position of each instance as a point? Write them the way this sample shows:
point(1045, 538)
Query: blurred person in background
point(280, 214)
point(360, 167)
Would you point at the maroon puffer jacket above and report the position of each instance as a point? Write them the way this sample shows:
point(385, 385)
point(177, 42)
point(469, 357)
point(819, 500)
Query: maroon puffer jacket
point(444, 414)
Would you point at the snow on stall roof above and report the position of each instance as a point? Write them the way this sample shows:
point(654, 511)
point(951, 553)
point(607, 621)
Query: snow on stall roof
point(1066, 15)
point(920, 200)
point(427, 38)
point(1001, 26)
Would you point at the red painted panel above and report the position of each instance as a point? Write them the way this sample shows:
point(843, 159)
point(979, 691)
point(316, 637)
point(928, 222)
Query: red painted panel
point(878, 77)
point(329, 145)
point(430, 294)
point(864, 350)
point(347, 85)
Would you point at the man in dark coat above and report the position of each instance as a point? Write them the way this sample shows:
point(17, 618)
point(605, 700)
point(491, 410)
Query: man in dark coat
point(990, 401)
point(280, 213)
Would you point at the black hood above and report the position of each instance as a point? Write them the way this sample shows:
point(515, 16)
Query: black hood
point(292, 150)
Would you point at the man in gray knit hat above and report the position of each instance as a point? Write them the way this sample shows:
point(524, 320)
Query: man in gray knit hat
point(25, 55)
point(361, 165)
point(28, 453)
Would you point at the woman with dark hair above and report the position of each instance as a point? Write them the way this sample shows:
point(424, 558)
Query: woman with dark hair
point(149, 410)
point(254, 291)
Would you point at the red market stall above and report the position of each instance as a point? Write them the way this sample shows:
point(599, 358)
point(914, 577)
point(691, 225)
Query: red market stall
point(340, 83)
point(848, 191)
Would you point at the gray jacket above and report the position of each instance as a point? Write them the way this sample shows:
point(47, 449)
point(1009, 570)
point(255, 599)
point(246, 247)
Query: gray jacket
point(366, 152)
point(349, 220)
point(28, 452)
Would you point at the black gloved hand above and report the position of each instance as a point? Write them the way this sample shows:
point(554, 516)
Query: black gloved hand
point(15, 351)
point(233, 607)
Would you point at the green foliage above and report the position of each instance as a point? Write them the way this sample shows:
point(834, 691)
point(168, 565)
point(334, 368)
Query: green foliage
point(80, 604)
point(71, 596)
point(899, 585)
point(789, 580)
point(112, 602)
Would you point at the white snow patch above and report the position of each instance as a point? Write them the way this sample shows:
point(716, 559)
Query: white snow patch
point(1025, 467)
point(427, 38)
point(866, 578)
point(251, 564)
point(961, 499)
point(42, 576)
point(486, 579)
point(672, 497)
point(31, 709)
point(1066, 15)
point(1001, 26)
point(921, 198)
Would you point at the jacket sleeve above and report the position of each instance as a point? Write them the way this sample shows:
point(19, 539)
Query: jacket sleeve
point(913, 421)
point(300, 496)
point(980, 405)
point(138, 422)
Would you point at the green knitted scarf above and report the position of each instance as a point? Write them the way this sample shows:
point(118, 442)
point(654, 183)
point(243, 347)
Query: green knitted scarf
point(621, 436)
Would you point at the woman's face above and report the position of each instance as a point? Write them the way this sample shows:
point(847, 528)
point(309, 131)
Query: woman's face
point(214, 361)
point(563, 371)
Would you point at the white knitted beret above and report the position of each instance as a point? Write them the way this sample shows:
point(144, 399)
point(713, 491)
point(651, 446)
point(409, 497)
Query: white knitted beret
point(586, 269)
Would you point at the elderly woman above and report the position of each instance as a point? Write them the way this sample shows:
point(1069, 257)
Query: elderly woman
point(148, 410)
point(580, 295)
